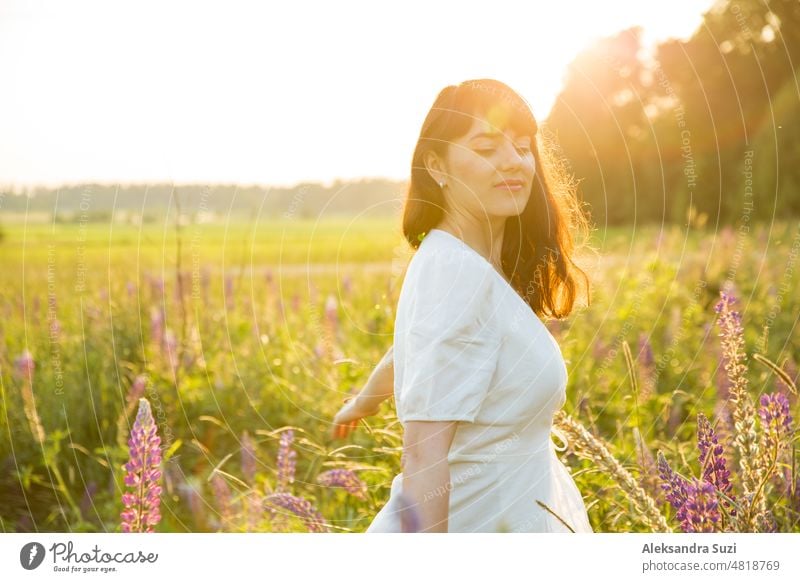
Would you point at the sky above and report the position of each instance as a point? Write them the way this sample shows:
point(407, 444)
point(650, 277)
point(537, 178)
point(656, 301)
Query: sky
point(271, 93)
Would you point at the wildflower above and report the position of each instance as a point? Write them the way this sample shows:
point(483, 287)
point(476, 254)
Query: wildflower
point(286, 460)
point(143, 474)
point(712, 460)
point(344, 478)
point(24, 366)
point(700, 511)
point(775, 417)
point(300, 507)
point(673, 485)
point(746, 438)
point(222, 495)
point(592, 448)
point(331, 311)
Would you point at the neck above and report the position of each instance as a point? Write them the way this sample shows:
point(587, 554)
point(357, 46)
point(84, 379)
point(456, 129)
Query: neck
point(486, 238)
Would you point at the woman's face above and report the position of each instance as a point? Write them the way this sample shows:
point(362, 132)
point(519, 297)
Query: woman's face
point(488, 172)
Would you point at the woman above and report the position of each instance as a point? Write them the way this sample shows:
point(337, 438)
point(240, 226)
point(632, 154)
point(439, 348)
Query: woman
point(475, 373)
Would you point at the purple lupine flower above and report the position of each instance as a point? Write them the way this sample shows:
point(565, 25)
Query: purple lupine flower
point(299, 506)
point(222, 495)
point(248, 457)
point(712, 457)
point(712, 460)
point(700, 511)
point(672, 484)
point(646, 351)
point(156, 324)
point(286, 460)
point(24, 366)
point(345, 479)
point(775, 417)
point(143, 474)
point(131, 288)
point(347, 284)
point(295, 302)
point(205, 283)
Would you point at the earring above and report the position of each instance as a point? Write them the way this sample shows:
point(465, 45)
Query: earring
point(441, 185)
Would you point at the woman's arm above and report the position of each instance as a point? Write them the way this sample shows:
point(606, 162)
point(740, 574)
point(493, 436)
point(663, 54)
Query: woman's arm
point(379, 386)
point(426, 472)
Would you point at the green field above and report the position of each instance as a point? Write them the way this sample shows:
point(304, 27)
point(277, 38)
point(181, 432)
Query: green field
point(256, 351)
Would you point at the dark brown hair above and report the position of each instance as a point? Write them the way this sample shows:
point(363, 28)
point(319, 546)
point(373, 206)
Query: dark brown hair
point(538, 244)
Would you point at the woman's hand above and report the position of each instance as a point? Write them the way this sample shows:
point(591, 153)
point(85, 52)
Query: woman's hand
point(348, 416)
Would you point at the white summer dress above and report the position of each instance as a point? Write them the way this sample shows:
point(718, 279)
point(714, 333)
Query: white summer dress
point(468, 348)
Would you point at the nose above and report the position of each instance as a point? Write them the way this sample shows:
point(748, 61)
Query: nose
point(511, 157)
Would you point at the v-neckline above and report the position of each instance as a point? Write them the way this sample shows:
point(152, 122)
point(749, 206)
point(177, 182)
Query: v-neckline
point(505, 281)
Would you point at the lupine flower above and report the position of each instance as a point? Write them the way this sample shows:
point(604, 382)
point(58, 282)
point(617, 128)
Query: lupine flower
point(344, 478)
point(24, 366)
point(156, 324)
point(775, 417)
point(592, 448)
point(299, 506)
point(286, 460)
point(712, 460)
point(331, 311)
point(143, 474)
point(131, 288)
point(248, 457)
point(746, 439)
point(700, 512)
point(648, 365)
point(222, 495)
point(347, 284)
point(673, 484)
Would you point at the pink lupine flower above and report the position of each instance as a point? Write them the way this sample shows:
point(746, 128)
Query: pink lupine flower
point(286, 460)
point(156, 324)
point(331, 311)
point(299, 506)
point(24, 366)
point(347, 284)
point(700, 512)
point(345, 479)
point(143, 474)
point(222, 495)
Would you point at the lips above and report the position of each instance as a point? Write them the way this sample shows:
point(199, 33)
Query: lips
point(510, 183)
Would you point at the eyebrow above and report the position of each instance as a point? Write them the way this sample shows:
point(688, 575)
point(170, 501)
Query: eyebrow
point(491, 135)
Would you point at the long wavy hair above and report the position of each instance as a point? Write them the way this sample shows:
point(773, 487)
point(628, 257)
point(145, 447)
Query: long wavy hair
point(538, 243)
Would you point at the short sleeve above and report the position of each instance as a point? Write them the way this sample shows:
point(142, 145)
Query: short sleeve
point(446, 345)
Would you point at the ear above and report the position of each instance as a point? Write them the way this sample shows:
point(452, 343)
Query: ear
point(435, 166)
